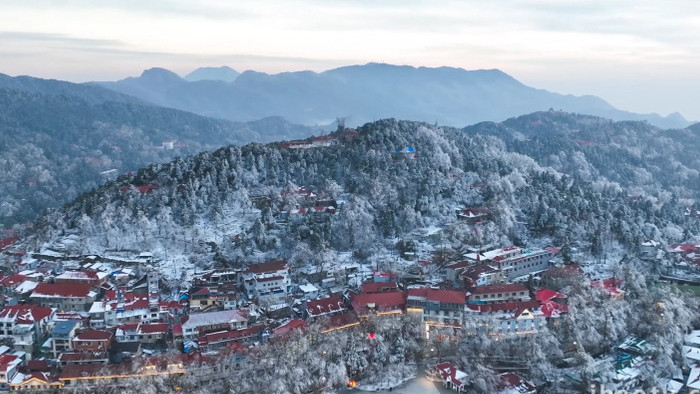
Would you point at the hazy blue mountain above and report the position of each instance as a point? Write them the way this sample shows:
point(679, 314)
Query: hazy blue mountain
point(446, 95)
point(59, 139)
point(90, 92)
point(223, 73)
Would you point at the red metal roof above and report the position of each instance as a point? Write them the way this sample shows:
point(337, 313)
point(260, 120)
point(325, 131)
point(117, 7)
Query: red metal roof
point(38, 365)
point(325, 306)
point(25, 313)
point(94, 335)
point(155, 328)
point(546, 295)
point(12, 280)
point(447, 296)
point(382, 301)
point(270, 266)
point(224, 336)
point(513, 381)
point(5, 361)
point(5, 242)
point(553, 309)
point(378, 287)
point(294, 324)
point(72, 290)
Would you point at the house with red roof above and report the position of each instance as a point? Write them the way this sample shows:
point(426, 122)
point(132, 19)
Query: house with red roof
point(380, 287)
point(7, 241)
point(92, 341)
point(499, 293)
point(452, 378)
point(610, 285)
point(379, 303)
point(325, 307)
point(9, 366)
point(25, 324)
point(289, 327)
point(213, 340)
point(64, 297)
point(512, 383)
point(35, 381)
point(83, 358)
point(437, 307)
point(473, 215)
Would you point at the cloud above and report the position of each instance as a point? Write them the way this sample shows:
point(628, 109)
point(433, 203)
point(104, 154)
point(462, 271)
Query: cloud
point(56, 38)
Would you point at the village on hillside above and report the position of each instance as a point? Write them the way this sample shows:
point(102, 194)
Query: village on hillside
point(76, 321)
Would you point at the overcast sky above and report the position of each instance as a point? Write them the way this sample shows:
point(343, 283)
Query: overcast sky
point(639, 55)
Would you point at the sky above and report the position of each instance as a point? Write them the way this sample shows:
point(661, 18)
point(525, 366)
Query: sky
point(641, 56)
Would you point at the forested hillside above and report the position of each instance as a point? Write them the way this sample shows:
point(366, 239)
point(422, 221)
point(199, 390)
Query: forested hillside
point(58, 140)
point(207, 202)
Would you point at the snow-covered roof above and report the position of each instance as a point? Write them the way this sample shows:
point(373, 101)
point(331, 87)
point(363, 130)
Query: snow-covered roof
point(308, 288)
point(692, 354)
point(26, 287)
point(693, 338)
point(211, 318)
point(693, 381)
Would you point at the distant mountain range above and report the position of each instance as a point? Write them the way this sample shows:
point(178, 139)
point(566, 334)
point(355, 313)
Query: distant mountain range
point(446, 95)
point(59, 139)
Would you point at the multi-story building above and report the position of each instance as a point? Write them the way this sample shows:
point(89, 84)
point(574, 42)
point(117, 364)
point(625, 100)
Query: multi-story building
point(523, 317)
point(516, 262)
point(9, 365)
point(125, 307)
point(499, 293)
point(143, 333)
point(24, 324)
point(440, 307)
point(92, 341)
point(62, 336)
point(64, 297)
point(197, 324)
point(269, 282)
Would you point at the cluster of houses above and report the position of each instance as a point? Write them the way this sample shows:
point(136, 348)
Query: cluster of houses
point(94, 323)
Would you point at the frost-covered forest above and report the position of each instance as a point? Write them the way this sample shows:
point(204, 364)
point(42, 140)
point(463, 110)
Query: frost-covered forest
point(209, 197)
point(585, 184)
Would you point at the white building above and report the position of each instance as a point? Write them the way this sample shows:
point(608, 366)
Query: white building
point(25, 324)
point(269, 282)
point(198, 324)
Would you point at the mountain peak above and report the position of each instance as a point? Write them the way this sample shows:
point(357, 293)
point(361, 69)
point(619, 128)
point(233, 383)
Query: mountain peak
point(158, 74)
point(223, 73)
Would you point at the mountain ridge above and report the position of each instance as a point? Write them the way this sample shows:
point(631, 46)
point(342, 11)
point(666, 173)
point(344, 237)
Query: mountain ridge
point(448, 95)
